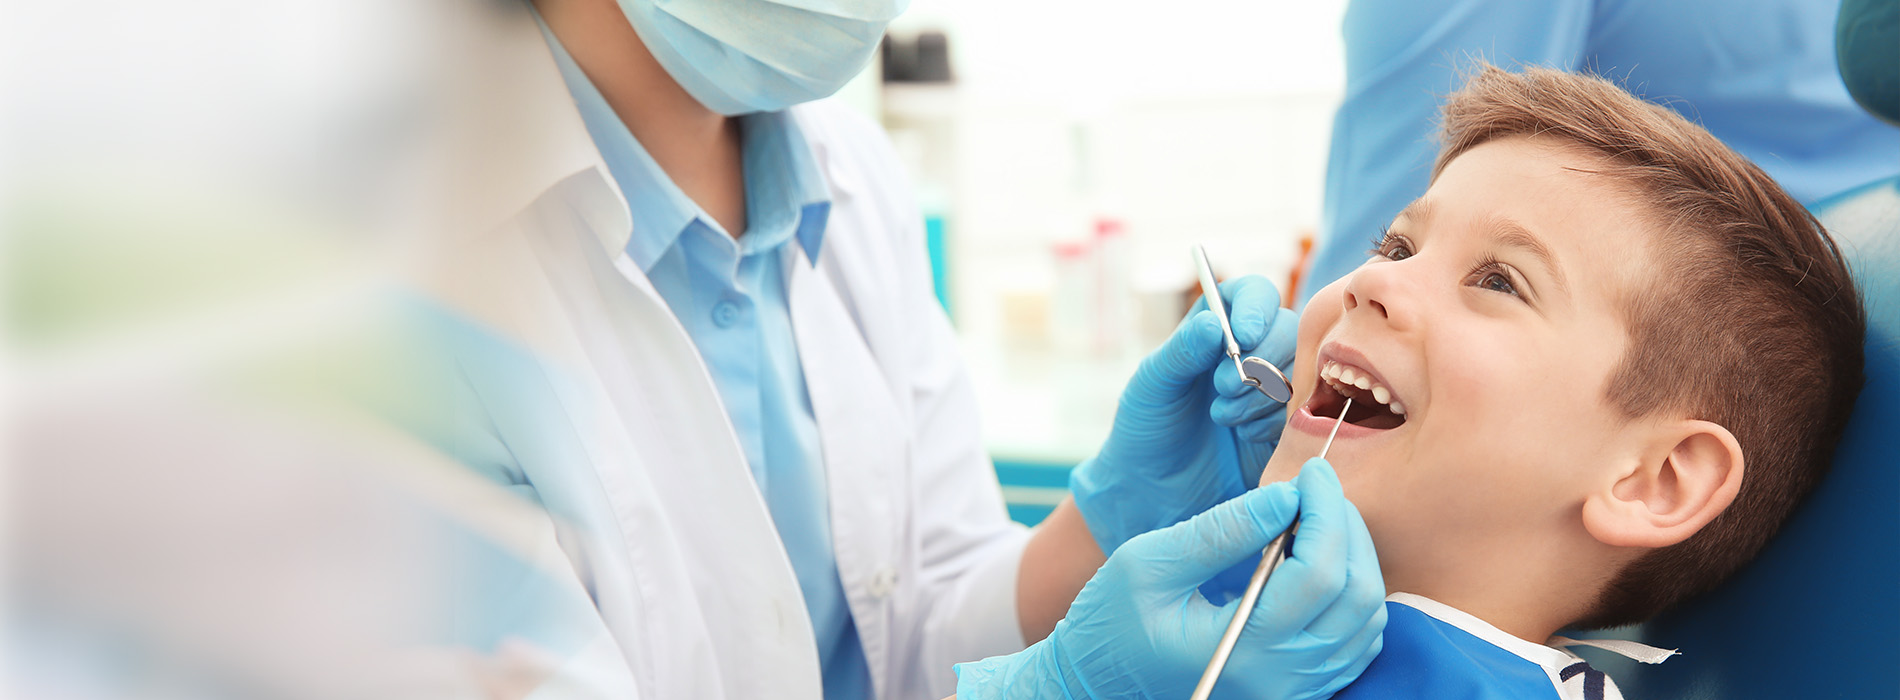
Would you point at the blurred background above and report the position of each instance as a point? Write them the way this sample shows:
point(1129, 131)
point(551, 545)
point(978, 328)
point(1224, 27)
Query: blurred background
point(212, 215)
point(1066, 155)
point(207, 206)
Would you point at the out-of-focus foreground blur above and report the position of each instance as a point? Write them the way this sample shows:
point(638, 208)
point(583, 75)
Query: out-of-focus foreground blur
point(217, 216)
point(213, 212)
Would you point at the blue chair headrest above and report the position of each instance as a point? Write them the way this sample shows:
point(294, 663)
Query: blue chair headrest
point(1867, 49)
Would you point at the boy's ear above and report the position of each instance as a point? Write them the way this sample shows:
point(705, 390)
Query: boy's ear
point(1690, 475)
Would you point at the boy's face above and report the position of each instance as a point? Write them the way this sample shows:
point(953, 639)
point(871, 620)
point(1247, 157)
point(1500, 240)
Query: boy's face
point(1491, 314)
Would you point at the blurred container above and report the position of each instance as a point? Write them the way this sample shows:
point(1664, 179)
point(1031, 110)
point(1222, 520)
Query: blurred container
point(1072, 305)
point(1113, 317)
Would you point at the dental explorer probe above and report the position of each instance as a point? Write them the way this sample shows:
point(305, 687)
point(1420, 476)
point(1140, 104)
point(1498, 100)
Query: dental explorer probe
point(1270, 559)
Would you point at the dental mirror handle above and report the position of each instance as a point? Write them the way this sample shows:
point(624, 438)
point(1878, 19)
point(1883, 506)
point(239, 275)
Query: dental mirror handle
point(1270, 559)
point(1211, 292)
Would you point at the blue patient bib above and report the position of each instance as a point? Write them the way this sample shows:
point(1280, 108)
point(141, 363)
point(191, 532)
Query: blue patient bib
point(1463, 658)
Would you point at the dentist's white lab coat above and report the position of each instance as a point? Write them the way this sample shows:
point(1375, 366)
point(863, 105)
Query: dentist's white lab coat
point(617, 428)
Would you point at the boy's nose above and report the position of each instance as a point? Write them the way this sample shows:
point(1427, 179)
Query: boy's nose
point(1379, 289)
point(1353, 302)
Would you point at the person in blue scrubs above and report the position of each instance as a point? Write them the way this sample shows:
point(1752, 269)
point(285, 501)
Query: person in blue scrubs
point(1758, 74)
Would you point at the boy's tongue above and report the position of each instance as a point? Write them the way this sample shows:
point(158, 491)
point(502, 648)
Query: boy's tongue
point(1366, 413)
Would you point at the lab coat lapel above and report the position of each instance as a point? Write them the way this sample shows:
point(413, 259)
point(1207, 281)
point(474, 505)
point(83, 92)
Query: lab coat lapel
point(865, 446)
point(700, 540)
point(701, 593)
point(757, 618)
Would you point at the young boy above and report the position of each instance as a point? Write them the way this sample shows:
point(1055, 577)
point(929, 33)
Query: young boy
point(1592, 371)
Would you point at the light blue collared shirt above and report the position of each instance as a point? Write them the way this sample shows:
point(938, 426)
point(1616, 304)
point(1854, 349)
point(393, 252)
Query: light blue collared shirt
point(730, 294)
point(1758, 74)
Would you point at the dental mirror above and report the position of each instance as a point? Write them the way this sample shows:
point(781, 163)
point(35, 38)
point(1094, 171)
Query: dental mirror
point(1255, 372)
point(1267, 378)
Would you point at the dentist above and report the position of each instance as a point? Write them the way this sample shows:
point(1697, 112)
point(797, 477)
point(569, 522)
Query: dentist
point(725, 377)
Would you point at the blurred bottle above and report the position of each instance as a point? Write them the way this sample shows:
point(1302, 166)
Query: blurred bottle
point(1092, 311)
point(1072, 305)
point(1114, 317)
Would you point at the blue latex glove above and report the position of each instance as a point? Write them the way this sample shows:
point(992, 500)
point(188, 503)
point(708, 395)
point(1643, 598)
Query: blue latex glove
point(1188, 434)
point(1140, 628)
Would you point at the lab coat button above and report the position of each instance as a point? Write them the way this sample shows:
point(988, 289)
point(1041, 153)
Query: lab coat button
point(725, 313)
point(883, 581)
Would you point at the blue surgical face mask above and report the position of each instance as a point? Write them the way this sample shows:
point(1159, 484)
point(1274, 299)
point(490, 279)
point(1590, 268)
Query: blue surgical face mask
point(743, 56)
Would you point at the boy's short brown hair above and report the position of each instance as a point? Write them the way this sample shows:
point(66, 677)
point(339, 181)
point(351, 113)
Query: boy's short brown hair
point(1755, 324)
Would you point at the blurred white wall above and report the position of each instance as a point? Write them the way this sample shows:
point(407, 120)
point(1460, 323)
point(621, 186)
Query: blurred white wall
point(1203, 121)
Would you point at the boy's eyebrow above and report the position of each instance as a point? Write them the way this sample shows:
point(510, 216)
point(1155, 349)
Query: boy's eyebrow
point(1417, 212)
point(1510, 233)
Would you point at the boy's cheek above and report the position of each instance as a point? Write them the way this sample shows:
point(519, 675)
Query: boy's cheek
point(1321, 313)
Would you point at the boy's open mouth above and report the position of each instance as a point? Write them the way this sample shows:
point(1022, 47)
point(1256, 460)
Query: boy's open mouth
point(1373, 405)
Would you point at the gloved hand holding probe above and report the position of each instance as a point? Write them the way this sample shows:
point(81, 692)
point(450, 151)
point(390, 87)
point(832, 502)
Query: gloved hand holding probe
point(1140, 628)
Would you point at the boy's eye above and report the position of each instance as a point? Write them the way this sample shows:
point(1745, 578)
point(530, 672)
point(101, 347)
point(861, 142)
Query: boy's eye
point(1489, 274)
point(1391, 246)
point(1494, 276)
point(1498, 282)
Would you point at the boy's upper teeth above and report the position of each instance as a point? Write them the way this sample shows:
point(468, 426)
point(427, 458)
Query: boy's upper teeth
point(1342, 374)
